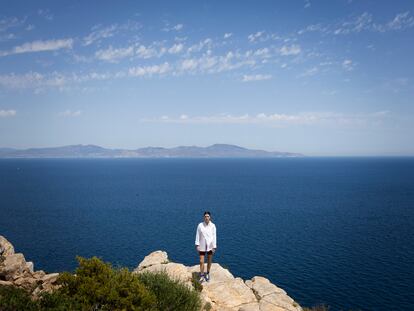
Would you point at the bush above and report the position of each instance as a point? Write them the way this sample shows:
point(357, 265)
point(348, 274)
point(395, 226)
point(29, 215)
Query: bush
point(195, 280)
point(16, 299)
point(171, 294)
point(96, 285)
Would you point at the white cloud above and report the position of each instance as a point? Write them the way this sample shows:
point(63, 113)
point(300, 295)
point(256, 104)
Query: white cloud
point(177, 27)
point(70, 113)
point(206, 43)
point(209, 63)
point(10, 22)
point(307, 4)
point(253, 37)
point(141, 71)
point(40, 46)
point(99, 33)
point(146, 52)
point(401, 21)
point(362, 22)
point(112, 55)
point(258, 77)
point(7, 113)
point(324, 119)
point(348, 65)
point(176, 48)
point(264, 53)
point(227, 35)
point(287, 50)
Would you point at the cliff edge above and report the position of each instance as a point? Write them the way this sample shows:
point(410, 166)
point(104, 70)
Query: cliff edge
point(224, 292)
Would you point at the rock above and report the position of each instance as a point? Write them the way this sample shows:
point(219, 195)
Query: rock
point(27, 283)
point(250, 307)
point(278, 302)
point(30, 266)
point(6, 283)
point(39, 274)
point(50, 278)
point(12, 266)
point(6, 248)
point(262, 287)
point(271, 297)
point(176, 271)
point(224, 292)
point(217, 273)
point(229, 294)
point(157, 257)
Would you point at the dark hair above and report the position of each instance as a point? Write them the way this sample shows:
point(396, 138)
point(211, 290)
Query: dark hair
point(207, 213)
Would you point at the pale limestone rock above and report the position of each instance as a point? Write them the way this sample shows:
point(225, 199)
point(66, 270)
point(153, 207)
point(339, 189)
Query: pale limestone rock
point(6, 283)
point(217, 273)
point(224, 292)
point(262, 286)
point(50, 278)
point(278, 302)
point(13, 266)
point(250, 307)
point(229, 294)
point(39, 274)
point(271, 297)
point(157, 257)
point(6, 248)
point(176, 271)
point(25, 282)
point(30, 266)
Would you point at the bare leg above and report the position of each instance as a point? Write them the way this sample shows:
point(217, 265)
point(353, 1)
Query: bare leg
point(201, 263)
point(209, 261)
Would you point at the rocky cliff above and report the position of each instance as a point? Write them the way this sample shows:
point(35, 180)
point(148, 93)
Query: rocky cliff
point(224, 292)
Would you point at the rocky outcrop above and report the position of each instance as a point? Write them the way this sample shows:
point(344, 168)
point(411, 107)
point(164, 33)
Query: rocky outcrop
point(224, 292)
point(16, 271)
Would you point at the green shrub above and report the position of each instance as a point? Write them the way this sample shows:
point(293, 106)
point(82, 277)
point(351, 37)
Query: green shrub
point(171, 294)
point(57, 301)
point(96, 285)
point(16, 299)
point(195, 280)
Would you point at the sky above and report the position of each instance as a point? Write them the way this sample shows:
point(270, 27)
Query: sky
point(323, 78)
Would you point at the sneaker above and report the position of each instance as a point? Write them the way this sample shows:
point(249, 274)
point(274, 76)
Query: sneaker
point(201, 275)
point(207, 277)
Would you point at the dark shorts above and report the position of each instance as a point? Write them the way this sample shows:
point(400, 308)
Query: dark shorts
point(203, 253)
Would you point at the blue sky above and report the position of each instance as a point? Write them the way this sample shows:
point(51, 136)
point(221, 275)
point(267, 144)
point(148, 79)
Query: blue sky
point(317, 77)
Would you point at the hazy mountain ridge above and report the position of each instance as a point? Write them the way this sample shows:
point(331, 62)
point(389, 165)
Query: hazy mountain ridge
point(93, 151)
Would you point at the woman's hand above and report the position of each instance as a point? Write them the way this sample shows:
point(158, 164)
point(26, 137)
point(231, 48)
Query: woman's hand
point(197, 248)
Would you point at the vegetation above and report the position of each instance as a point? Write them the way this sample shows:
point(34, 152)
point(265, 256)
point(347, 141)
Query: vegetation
point(170, 294)
point(96, 285)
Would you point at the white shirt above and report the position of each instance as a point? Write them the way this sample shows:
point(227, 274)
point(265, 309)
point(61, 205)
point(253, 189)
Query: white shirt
point(206, 237)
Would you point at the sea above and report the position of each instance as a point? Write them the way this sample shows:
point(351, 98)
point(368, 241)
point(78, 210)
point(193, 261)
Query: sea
point(334, 231)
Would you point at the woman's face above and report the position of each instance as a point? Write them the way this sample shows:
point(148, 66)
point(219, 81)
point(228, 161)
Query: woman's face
point(206, 218)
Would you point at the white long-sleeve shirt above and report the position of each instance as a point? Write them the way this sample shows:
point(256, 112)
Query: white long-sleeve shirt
point(206, 237)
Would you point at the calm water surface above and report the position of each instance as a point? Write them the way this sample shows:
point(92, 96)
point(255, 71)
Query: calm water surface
point(338, 231)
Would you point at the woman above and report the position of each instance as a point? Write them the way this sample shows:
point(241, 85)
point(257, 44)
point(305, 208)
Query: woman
point(206, 242)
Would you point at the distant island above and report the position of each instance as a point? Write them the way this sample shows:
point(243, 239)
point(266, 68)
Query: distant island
point(93, 151)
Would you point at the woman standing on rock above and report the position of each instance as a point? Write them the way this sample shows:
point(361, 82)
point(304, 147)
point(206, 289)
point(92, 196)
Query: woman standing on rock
point(206, 242)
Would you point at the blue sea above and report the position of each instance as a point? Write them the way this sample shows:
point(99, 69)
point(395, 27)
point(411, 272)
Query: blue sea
point(338, 231)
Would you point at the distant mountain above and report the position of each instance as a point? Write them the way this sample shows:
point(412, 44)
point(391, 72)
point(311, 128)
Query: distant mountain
point(92, 151)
